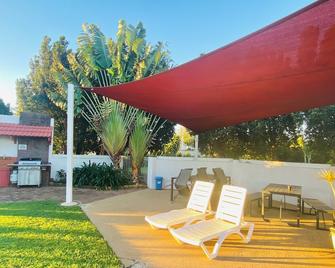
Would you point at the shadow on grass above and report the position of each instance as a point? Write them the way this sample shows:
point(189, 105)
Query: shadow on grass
point(44, 209)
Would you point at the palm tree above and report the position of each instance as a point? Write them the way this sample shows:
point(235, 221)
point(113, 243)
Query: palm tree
point(114, 130)
point(144, 131)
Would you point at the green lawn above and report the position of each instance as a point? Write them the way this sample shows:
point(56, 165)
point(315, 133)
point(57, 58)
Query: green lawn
point(44, 234)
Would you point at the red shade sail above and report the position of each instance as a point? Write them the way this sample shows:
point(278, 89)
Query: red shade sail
point(285, 67)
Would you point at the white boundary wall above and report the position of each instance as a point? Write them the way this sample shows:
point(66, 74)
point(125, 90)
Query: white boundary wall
point(58, 161)
point(8, 146)
point(251, 174)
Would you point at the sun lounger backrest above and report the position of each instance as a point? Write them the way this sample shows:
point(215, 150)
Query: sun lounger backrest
point(200, 196)
point(231, 204)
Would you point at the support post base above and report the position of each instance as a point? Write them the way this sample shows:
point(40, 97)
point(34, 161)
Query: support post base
point(71, 204)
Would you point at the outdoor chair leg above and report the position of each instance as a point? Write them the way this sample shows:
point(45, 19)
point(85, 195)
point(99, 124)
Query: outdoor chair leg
point(250, 232)
point(323, 218)
point(171, 194)
point(299, 211)
point(215, 249)
point(280, 209)
point(317, 220)
point(250, 227)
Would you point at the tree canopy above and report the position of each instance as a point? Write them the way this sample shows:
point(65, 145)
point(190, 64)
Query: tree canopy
point(4, 108)
point(97, 61)
point(307, 136)
point(41, 92)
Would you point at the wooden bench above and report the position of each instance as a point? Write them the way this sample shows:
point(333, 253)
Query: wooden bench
point(319, 208)
point(257, 196)
point(253, 197)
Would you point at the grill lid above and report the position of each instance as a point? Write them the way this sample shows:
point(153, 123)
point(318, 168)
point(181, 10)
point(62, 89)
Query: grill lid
point(30, 161)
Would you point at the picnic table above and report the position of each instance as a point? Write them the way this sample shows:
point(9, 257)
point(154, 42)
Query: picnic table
point(320, 208)
point(285, 190)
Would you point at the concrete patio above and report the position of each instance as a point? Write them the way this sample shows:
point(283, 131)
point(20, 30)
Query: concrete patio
point(120, 219)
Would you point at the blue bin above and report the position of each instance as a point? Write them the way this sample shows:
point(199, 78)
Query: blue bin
point(159, 182)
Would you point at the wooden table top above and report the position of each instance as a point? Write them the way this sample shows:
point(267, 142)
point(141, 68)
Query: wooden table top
point(283, 189)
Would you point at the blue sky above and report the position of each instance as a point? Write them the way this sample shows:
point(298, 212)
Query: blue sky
point(188, 27)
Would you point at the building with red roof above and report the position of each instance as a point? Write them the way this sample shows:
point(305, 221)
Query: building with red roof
point(26, 136)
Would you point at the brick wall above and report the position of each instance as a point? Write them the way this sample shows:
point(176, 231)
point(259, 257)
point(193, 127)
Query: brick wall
point(4, 161)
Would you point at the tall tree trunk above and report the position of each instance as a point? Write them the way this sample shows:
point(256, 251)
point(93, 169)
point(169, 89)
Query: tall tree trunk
point(101, 149)
point(116, 159)
point(135, 174)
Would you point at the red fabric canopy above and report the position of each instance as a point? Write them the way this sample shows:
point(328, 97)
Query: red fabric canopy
point(285, 67)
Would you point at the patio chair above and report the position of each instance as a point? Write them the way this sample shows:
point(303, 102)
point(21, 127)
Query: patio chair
point(196, 208)
point(221, 177)
point(181, 183)
point(202, 175)
point(228, 220)
point(220, 180)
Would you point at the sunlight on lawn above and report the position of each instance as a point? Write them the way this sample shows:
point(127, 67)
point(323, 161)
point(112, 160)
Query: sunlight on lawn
point(44, 234)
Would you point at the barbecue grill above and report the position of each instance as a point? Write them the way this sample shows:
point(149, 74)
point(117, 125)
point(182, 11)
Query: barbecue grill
point(29, 172)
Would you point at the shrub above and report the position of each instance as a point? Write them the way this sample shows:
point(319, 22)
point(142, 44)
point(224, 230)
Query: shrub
point(187, 154)
point(100, 176)
point(61, 176)
point(172, 147)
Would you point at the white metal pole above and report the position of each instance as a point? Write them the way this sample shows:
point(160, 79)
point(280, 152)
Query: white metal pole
point(196, 146)
point(51, 145)
point(69, 146)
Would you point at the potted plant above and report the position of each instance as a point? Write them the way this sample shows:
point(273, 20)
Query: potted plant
point(329, 176)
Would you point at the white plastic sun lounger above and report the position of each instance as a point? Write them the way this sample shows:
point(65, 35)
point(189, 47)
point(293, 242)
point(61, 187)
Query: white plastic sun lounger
point(196, 208)
point(227, 221)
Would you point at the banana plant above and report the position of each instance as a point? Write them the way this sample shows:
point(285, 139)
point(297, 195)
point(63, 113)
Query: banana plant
point(101, 61)
point(114, 135)
point(111, 120)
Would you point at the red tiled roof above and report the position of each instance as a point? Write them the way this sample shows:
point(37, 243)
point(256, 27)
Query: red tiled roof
point(17, 130)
